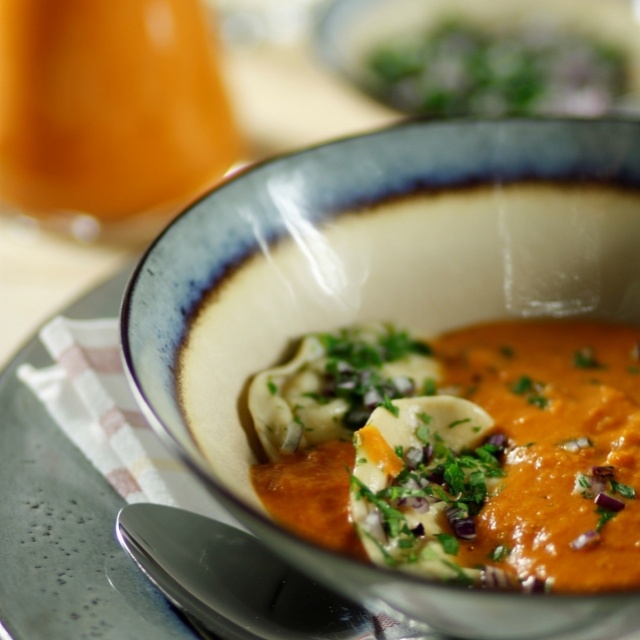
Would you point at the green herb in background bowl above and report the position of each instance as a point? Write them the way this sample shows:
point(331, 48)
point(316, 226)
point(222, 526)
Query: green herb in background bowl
point(458, 68)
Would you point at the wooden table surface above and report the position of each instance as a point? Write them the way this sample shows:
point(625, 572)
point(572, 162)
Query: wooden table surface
point(284, 99)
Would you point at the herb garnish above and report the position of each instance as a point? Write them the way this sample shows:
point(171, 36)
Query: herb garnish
point(430, 387)
point(585, 359)
point(457, 479)
point(532, 390)
point(593, 485)
point(450, 544)
point(507, 351)
point(624, 490)
point(353, 370)
point(605, 516)
point(455, 423)
point(500, 553)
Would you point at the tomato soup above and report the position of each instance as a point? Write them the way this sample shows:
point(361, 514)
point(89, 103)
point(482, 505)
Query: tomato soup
point(566, 396)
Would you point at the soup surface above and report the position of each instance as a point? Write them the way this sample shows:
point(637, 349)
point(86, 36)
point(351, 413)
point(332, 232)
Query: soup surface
point(566, 397)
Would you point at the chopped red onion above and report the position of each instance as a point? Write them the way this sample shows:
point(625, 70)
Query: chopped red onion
point(372, 398)
point(464, 526)
point(465, 529)
point(356, 417)
point(421, 504)
point(605, 501)
point(346, 385)
point(498, 440)
point(365, 377)
point(404, 385)
point(418, 504)
point(533, 584)
point(436, 476)
point(575, 444)
point(494, 578)
point(588, 486)
point(586, 539)
point(416, 482)
point(374, 527)
point(603, 473)
point(344, 367)
point(413, 457)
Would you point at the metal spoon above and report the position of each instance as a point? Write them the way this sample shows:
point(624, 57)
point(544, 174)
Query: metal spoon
point(228, 584)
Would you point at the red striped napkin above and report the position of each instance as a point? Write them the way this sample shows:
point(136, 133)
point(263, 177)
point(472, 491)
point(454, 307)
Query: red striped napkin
point(88, 396)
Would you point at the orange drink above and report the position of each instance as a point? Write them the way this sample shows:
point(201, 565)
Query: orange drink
point(109, 109)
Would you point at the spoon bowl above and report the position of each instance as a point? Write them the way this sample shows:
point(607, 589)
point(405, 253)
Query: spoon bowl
point(224, 580)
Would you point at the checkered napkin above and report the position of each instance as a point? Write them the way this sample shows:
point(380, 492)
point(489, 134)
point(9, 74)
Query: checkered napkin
point(88, 396)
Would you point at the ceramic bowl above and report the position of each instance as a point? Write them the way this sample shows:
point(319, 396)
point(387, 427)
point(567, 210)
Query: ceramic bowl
point(430, 225)
point(348, 32)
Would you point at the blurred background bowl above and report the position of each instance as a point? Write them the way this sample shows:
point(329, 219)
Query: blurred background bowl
point(451, 57)
point(430, 225)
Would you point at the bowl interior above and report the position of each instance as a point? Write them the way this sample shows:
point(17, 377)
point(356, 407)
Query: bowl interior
point(429, 262)
point(429, 226)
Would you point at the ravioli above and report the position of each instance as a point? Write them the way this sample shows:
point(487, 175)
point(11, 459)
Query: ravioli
point(334, 382)
point(422, 472)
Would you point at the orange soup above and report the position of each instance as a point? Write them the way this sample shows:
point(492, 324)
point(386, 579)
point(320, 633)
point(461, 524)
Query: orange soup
point(565, 395)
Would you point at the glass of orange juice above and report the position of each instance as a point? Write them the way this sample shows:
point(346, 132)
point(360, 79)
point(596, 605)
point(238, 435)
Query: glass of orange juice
point(113, 113)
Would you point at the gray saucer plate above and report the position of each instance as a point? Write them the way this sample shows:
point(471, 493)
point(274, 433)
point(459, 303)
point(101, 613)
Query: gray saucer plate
point(62, 572)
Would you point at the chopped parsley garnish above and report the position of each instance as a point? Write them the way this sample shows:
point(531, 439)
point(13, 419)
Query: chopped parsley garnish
point(393, 520)
point(592, 485)
point(354, 370)
point(423, 433)
point(585, 359)
point(500, 553)
point(272, 387)
point(538, 401)
point(389, 406)
point(348, 345)
point(624, 490)
point(532, 390)
point(441, 475)
point(605, 516)
point(507, 351)
point(454, 477)
point(449, 543)
point(398, 344)
point(524, 384)
point(455, 423)
point(430, 387)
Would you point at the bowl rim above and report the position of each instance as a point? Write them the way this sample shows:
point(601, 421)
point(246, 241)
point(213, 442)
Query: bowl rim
point(199, 466)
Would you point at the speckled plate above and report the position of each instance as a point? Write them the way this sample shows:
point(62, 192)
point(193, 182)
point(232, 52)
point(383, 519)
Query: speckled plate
point(62, 572)
point(63, 575)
